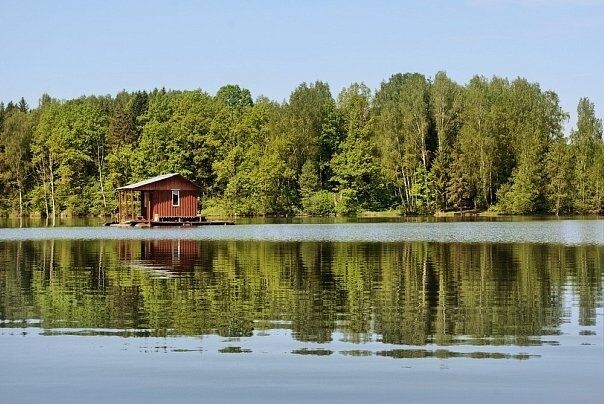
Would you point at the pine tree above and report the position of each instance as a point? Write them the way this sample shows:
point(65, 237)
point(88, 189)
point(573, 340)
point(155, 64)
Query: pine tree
point(23, 107)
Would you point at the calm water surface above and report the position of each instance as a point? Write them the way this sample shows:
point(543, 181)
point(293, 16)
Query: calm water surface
point(448, 311)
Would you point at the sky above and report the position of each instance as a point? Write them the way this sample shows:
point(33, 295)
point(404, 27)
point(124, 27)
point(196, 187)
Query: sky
point(73, 48)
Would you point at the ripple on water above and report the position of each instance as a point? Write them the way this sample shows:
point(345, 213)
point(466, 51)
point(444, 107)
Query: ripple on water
point(568, 232)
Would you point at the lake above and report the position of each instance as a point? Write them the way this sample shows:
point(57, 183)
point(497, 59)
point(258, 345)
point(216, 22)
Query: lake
point(331, 310)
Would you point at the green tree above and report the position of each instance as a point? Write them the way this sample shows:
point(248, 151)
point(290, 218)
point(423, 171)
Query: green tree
point(68, 153)
point(480, 137)
point(46, 150)
point(176, 137)
point(230, 132)
point(234, 96)
point(403, 131)
point(356, 171)
point(312, 128)
point(15, 141)
point(598, 176)
point(22, 106)
point(445, 107)
point(534, 122)
point(585, 140)
point(237, 170)
point(460, 191)
point(2, 114)
point(559, 171)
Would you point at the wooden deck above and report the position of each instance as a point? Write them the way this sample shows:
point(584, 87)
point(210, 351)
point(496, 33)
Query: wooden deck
point(144, 223)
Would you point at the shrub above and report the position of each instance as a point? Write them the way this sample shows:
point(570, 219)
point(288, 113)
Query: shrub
point(320, 203)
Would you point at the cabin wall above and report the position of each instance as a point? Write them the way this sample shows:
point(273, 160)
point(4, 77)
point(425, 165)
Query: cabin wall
point(161, 203)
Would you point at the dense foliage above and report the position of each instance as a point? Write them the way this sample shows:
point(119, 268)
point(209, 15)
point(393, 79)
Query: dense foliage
point(418, 145)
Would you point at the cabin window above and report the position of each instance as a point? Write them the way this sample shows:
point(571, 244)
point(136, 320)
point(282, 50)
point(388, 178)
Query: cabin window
point(175, 198)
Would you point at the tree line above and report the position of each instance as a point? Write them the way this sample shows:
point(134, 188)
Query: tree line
point(416, 144)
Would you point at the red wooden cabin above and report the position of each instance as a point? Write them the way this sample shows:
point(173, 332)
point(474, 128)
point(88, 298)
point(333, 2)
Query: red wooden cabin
point(163, 199)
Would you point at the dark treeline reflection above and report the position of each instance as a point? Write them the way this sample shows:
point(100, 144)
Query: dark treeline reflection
point(403, 293)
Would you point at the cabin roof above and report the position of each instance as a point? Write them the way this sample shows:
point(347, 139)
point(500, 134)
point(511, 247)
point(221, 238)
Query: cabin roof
point(149, 181)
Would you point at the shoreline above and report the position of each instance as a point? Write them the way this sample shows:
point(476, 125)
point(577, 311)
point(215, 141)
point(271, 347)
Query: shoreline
point(386, 214)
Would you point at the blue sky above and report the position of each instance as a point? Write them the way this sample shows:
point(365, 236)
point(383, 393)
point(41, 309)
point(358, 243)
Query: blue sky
point(72, 48)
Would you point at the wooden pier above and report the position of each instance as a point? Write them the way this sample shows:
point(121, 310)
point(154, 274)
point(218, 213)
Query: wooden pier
point(146, 223)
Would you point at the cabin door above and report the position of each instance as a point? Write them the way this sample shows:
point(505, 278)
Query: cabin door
point(148, 217)
point(146, 205)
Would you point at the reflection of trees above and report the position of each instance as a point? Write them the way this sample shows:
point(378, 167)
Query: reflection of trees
point(586, 269)
point(410, 293)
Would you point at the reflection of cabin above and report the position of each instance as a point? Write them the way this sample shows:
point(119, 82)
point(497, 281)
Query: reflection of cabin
point(161, 256)
point(166, 198)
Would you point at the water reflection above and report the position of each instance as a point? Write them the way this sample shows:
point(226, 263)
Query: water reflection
point(160, 257)
point(414, 294)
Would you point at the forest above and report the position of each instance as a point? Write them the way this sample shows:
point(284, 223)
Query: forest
point(415, 145)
